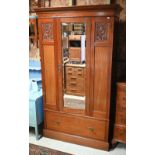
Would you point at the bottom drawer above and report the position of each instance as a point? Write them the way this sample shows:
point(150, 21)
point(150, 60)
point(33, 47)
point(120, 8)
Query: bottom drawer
point(79, 126)
point(120, 133)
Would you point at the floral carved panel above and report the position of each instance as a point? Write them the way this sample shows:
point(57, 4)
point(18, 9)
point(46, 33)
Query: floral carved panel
point(101, 31)
point(47, 30)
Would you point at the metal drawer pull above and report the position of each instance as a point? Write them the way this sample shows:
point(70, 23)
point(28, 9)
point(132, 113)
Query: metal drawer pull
point(91, 129)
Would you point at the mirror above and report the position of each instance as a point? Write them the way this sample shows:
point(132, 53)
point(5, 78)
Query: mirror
point(74, 63)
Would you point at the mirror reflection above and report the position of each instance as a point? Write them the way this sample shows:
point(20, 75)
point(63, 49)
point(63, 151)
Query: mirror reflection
point(74, 63)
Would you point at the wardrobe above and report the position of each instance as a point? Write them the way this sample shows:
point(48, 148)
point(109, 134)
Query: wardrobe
point(76, 48)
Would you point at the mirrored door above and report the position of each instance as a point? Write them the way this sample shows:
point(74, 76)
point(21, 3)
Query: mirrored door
point(74, 42)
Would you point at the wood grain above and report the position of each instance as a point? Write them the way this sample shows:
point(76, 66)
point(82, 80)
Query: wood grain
point(120, 119)
point(98, 144)
point(49, 67)
point(76, 125)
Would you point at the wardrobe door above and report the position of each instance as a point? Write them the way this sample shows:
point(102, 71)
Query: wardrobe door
point(73, 45)
point(48, 62)
point(101, 49)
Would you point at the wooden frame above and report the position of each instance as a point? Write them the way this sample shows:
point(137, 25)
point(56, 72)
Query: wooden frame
point(75, 20)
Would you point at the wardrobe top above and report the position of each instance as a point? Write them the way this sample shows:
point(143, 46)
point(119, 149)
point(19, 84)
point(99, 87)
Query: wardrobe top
point(115, 8)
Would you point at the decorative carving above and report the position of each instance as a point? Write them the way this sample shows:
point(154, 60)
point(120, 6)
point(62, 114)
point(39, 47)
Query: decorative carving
point(101, 30)
point(47, 29)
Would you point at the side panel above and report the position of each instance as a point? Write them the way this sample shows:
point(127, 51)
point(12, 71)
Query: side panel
point(101, 58)
point(48, 62)
point(49, 68)
point(101, 78)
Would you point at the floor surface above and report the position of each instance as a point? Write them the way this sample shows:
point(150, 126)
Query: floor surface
point(120, 149)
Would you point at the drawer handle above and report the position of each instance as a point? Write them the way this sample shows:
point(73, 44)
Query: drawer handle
point(91, 129)
point(57, 123)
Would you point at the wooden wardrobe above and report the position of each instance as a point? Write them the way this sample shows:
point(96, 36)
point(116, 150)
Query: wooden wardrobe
point(77, 92)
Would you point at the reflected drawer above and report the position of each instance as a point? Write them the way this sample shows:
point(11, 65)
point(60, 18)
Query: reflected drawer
point(70, 70)
point(71, 79)
point(75, 83)
point(75, 90)
point(79, 72)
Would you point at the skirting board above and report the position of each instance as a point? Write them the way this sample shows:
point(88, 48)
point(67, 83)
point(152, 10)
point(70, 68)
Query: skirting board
point(76, 139)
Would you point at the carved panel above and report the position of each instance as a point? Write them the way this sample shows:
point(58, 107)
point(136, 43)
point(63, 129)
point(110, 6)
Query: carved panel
point(47, 30)
point(101, 31)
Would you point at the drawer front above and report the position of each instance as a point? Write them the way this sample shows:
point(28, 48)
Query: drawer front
point(120, 133)
point(75, 79)
point(121, 104)
point(76, 125)
point(75, 82)
point(79, 72)
point(75, 90)
point(75, 87)
point(70, 70)
point(121, 92)
point(75, 72)
point(121, 88)
point(121, 98)
point(121, 113)
point(121, 108)
point(120, 118)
